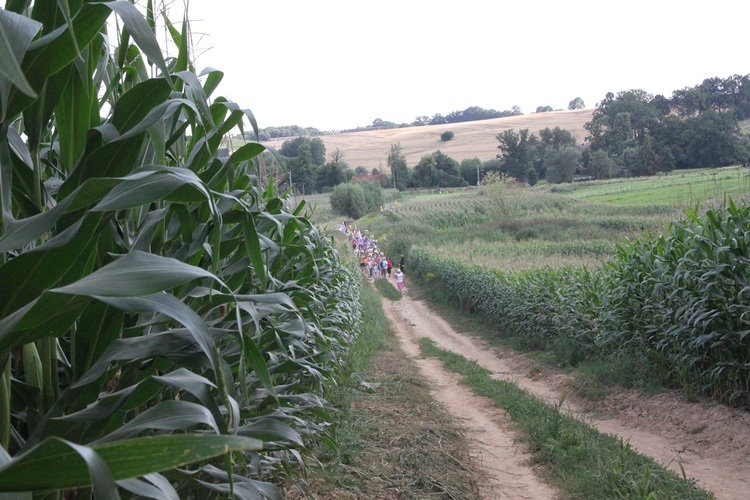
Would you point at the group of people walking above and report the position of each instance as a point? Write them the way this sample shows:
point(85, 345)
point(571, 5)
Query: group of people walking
point(373, 260)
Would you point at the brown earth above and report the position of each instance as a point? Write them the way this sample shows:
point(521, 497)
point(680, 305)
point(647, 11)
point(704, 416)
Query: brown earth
point(475, 139)
point(709, 441)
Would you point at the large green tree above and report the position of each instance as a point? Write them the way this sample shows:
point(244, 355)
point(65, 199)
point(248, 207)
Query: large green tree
point(303, 171)
point(561, 166)
point(471, 168)
point(517, 151)
point(599, 165)
point(400, 173)
point(438, 169)
point(315, 147)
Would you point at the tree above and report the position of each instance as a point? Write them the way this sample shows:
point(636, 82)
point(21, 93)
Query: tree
point(373, 195)
point(360, 170)
point(561, 166)
point(714, 140)
point(303, 172)
point(356, 199)
point(600, 165)
point(446, 136)
point(470, 168)
point(349, 200)
point(400, 173)
point(543, 109)
point(438, 169)
point(532, 177)
point(576, 103)
point(329, 175)
point(503, 192)
point(315, 147)
point(517, 151)
point(337, 156)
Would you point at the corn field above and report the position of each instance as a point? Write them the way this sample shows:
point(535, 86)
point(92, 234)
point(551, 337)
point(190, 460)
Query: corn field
point(169, 324)
point(679, 299)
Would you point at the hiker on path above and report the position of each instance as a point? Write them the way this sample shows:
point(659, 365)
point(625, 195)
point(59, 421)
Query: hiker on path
point(399, 280)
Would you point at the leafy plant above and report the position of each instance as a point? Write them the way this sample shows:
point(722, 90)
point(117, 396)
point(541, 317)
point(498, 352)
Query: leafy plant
point(169, 323)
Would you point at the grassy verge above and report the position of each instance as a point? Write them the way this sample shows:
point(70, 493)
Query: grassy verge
point(392, 439)
point(580, 460)
point(386, 288)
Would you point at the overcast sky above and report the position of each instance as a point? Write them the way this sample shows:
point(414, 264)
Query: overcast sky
point(335, 64)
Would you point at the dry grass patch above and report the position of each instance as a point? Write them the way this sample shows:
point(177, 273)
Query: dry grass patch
point(475, 139)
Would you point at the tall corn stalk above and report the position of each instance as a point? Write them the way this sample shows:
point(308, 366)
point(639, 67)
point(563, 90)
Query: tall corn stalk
point(166, 324)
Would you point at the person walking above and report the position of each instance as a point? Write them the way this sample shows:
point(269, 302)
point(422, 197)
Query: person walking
point(390, 266)
point(399, 280)
point(401, 263)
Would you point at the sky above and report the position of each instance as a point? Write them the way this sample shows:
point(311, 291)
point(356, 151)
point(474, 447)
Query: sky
point(338, 64)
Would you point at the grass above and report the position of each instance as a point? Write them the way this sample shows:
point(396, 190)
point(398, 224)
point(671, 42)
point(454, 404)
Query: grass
point(578, 459)
point(393, 439)
point(386, 288)
point(679, 188)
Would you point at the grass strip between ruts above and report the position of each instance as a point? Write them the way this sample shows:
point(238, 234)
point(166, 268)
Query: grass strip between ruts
point(578, 459)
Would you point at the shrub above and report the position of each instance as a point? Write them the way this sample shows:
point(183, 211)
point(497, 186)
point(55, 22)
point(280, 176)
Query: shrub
point(447, 136)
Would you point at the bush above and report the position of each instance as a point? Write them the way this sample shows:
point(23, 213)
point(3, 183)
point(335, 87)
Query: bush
point(446, 136)
point(356, 199)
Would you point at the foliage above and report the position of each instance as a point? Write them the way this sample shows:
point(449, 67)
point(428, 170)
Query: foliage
point(169, 326)
point(470, 170)
point(447, 136)
point(504, 193)
point(639, 131)
point(270, 133)
point(599, 165)
point(356, 199)
point(331, 174)
point(438, 169)
point(400, 173)
point(576, 103)
point(517, 151)
point(348, 200)
point(561, 165)
point(678, 300)
point(315, 147)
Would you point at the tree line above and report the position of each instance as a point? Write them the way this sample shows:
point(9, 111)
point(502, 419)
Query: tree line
point(470, 114)
point(631, 133)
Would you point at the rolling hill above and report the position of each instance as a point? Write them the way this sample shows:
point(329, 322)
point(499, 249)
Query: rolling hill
point(472, 139)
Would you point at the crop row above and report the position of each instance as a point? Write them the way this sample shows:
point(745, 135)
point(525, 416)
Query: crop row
point(677, 301)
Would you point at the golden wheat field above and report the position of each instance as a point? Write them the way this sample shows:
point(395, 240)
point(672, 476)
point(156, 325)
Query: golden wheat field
point(475, 139)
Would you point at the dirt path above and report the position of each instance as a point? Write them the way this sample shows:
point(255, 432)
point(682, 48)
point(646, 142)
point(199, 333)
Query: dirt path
point(711, 442)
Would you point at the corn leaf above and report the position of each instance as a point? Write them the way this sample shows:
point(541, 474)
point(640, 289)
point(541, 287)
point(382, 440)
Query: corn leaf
point(124, 459)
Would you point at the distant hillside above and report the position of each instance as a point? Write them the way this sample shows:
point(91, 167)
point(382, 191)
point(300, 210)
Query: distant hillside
point(472, 139)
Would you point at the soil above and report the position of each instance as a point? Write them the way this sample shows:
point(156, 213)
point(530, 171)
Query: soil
point(711, 442)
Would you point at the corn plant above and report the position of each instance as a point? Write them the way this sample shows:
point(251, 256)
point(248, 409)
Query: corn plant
point(168, 323)
point(677, 301)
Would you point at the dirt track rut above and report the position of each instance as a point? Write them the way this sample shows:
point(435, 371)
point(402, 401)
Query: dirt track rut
point(663, 428)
